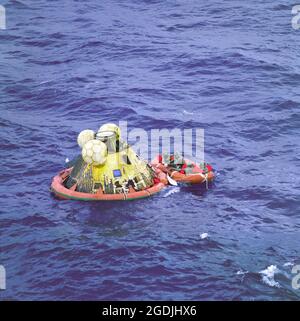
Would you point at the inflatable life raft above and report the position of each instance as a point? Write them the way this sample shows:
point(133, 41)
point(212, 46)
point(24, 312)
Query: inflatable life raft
point(184, 170)
point(107, 170)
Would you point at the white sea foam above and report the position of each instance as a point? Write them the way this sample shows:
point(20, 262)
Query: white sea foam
point(268, 276)
point(187, 112)
point(172, 191)
point(241, 272)
point(67, 160)
point(288, 264)
point(44, 82)
point(203, 236)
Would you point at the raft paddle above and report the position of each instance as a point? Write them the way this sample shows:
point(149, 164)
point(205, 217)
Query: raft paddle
point(171, 181)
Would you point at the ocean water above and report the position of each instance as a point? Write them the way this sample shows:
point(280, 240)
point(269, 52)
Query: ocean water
point(230, 67)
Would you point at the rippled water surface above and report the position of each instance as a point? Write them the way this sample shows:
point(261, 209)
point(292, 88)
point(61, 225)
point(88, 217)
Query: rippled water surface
point(230, 67)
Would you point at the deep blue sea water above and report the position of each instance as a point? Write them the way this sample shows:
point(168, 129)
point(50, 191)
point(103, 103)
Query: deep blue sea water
point(230, 67)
